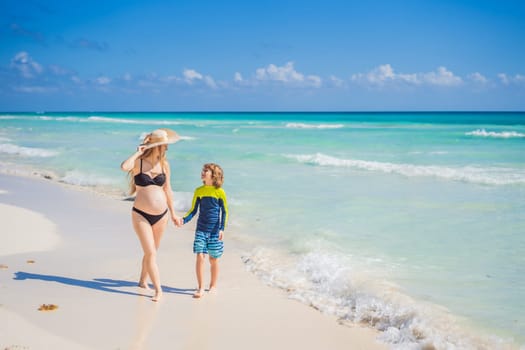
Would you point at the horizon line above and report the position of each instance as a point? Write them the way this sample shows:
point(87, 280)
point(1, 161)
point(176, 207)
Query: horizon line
point(268, 111)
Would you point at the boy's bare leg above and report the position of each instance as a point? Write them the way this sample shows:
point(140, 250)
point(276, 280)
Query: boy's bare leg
point(199, 271)
point(214, 268)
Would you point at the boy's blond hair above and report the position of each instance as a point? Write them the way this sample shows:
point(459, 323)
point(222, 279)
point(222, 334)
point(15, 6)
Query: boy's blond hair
point(217, 174)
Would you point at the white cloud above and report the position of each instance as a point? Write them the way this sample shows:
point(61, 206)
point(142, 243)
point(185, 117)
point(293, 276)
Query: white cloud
point(239, 80)
point(478, 78)
point(210, 82)
point(517, 79)
point(191, 75)
point(287, 75)
point(442, 77)
point(57, 70)
point(171, 78)
point(314, 80)
point(23, 63)
point(385, 74)
point(336, 81)
point(35, 89)
point(103, 80)
point(504, 79)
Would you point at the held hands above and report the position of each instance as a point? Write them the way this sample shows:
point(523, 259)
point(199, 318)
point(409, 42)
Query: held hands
point(221, 233)
point(177, 221)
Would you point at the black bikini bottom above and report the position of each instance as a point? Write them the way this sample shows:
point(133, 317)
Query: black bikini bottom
point(152, 219)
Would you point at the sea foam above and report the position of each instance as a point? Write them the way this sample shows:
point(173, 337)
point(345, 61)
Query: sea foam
point(79, 178)
point(480, 175)
point(502, 134)
point(314, 126)
point(100, 119)
point(349, 290)
point(26, 151)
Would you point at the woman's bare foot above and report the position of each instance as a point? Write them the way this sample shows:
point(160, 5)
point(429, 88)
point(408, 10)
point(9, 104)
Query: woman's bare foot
point(157, 296)
point(198, 293)
point(212, 290)
point(143, 285)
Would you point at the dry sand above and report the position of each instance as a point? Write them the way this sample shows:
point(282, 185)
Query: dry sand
point(77, 250)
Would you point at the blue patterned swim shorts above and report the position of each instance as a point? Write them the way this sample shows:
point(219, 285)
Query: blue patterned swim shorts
point(208, 243)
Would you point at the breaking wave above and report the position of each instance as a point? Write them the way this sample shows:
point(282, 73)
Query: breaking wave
point(26, 151)
point(338, 286)
point(494, 134)
point(314, 126)
point(480, 175)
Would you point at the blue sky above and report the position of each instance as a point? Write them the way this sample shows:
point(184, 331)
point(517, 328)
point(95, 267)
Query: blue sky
point(262, 56)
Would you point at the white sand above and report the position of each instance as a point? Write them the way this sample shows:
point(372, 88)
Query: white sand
point(91, 275)
point(26, 231)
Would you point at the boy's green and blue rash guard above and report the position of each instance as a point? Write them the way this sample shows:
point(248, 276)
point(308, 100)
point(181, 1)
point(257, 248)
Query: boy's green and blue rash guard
point(213, 209)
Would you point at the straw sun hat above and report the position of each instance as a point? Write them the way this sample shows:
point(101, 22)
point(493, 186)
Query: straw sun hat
point(159, 137)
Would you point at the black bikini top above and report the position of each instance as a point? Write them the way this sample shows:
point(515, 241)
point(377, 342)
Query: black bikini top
point(142, 179)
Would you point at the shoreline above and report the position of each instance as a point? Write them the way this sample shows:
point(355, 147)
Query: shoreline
point(91, 276)
point(391, 250)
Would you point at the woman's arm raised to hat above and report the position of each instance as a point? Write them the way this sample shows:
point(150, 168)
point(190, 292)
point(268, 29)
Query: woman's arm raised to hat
point(129, 163)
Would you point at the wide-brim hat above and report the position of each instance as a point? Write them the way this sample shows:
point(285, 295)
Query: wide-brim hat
point(159, 137)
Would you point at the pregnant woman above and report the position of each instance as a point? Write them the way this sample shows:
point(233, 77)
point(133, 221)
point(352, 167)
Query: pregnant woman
point(150, 179)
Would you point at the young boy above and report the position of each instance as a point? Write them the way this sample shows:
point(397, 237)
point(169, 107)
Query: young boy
point(210, 200)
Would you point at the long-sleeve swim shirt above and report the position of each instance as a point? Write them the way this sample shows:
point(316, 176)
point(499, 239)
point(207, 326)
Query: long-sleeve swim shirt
point(212, 206)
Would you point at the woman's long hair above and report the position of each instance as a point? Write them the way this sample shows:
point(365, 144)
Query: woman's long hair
point(149, 153)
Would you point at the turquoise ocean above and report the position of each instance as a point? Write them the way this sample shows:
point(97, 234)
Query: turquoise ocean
point(411, 223)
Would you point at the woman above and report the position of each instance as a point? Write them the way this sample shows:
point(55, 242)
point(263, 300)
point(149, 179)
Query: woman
point(150, 179)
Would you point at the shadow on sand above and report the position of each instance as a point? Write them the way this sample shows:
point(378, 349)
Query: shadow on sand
point(101, 284)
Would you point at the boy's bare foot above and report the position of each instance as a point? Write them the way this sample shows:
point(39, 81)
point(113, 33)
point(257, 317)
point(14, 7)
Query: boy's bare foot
point(212, 290)
point(157, 296)
point(198, 293)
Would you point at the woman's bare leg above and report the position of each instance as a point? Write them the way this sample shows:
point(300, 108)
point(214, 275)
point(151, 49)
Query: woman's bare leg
point(143, 280)
point(150, 268)
point(158, 232)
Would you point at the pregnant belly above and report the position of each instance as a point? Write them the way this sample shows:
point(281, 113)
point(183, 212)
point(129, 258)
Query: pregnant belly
point(151, 199)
